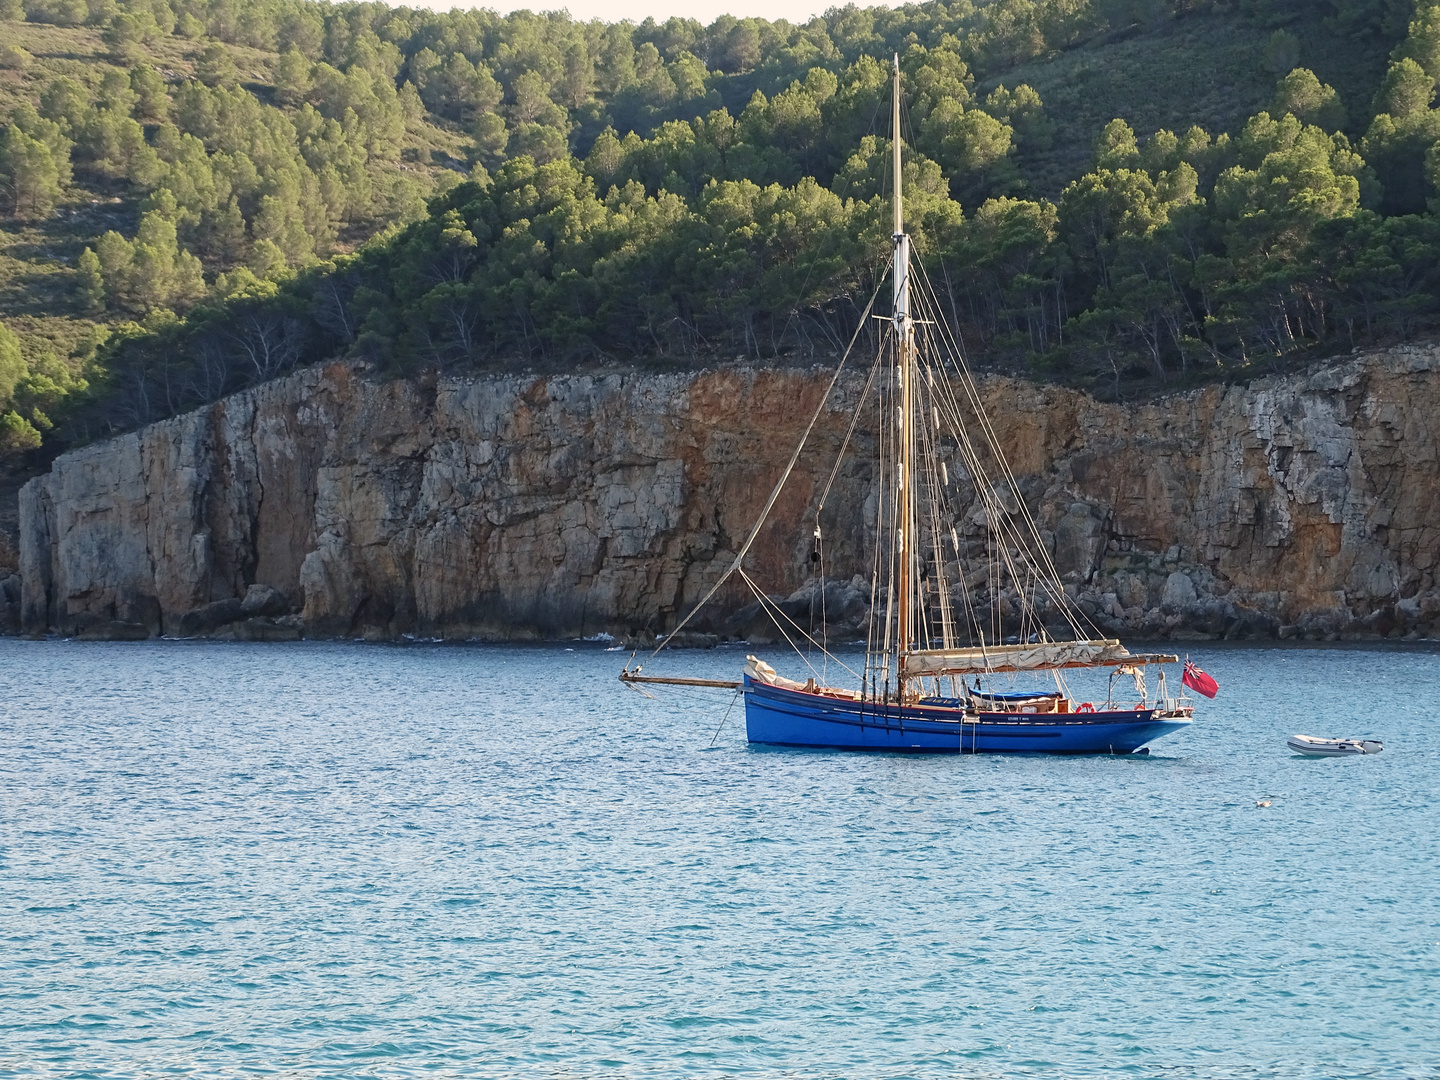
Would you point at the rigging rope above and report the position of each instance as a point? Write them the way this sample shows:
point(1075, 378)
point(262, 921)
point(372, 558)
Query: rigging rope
point(774, 495)
point(1045, 563)
point(777, 613)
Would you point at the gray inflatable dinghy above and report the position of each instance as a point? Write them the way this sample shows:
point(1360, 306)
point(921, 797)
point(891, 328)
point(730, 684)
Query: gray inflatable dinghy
point(1311, 746)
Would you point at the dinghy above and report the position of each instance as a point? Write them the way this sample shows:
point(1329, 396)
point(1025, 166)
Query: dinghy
point(1311, 746)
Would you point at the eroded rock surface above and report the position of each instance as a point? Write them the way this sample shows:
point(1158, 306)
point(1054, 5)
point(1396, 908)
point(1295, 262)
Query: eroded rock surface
point(514, 507)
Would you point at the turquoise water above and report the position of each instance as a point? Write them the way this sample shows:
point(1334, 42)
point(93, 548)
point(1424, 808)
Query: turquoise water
point(350, 860)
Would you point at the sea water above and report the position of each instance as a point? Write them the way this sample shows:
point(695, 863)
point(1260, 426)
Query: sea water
point(366, 860)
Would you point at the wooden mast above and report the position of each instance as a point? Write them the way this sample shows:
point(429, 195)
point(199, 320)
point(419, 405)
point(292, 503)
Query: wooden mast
point(904, 343)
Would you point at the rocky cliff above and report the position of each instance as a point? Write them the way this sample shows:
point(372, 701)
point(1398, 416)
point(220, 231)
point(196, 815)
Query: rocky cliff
point(330, 504)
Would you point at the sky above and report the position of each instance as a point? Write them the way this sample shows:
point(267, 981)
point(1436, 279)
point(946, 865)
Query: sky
point(636, 10)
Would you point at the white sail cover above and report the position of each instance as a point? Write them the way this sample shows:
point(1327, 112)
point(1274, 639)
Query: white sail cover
point(760, 671)
point(993, 658)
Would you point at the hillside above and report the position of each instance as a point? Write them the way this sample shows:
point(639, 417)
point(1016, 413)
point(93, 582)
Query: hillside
point(1116, 193)
point(1208, 69)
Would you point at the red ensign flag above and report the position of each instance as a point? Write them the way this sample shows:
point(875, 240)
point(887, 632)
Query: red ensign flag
point(1198, 681)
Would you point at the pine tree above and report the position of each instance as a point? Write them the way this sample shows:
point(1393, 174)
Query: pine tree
point(216, 67)
point(28, 176)
point(12, 364)
point(152, 103)
point(92, 282)
point(115, 256)
point(292, 76)
point(123, 37)
point(17, 434)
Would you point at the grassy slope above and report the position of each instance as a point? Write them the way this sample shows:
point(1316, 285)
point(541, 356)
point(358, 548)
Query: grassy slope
point(38, 282)
point(1207, 70)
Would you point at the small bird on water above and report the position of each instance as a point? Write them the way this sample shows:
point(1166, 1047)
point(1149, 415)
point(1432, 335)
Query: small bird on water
point(1262, 802)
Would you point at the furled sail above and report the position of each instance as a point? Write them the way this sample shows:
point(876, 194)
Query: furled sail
point(996, 658)
point(760, 671)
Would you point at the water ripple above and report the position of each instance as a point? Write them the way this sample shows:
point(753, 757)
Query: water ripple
point(373, 861)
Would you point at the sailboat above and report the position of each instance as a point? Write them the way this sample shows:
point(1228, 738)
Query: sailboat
point(950, 666)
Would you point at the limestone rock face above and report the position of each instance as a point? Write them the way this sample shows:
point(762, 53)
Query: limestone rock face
point(1179, 592)
point(10, 587)
point(513, 507)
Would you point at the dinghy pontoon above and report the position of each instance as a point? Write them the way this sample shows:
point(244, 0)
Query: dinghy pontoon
point(1311, 746)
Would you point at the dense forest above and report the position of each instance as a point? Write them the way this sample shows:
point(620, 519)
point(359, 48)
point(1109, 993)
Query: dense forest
point(200, 194)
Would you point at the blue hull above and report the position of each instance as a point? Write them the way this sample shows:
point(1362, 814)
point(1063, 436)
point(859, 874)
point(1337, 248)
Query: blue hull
point(783, 717)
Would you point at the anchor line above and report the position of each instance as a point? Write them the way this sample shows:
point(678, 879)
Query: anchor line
point(733, 698)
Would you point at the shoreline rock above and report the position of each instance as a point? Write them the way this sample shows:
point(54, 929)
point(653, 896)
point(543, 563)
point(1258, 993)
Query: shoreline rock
point(327, 504)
